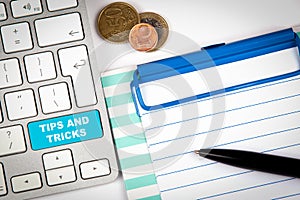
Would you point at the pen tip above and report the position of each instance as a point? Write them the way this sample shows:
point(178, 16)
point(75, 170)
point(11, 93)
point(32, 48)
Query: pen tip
point(202, 152)
point(197, 151)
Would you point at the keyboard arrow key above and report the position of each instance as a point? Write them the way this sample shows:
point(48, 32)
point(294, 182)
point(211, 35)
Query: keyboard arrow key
point(95, 169)
point(83, 63)
point(72, 33)
point(61, 175)
point(26, 182)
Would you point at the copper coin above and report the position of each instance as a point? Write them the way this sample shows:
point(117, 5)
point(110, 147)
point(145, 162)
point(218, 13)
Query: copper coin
point(116, 20)
point(143, 37)
point(160, 25)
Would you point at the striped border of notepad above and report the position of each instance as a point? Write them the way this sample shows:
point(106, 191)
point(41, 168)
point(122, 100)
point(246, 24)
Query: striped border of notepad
point(135, 161)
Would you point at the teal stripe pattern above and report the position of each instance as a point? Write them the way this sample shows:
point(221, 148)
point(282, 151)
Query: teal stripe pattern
point(116, 79)
point(137, 161)
point(156, 197)
point(125, 120)
point(298, 34)
point(139, 182)
point(130, 140)
point(118, 100)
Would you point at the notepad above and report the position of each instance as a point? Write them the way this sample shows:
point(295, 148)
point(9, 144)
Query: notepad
point(135, 161)
point(261, 116)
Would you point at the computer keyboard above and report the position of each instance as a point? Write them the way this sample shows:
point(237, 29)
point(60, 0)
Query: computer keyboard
point(54, 129)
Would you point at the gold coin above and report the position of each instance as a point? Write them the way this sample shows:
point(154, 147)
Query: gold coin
point(143, 37)
point(160, 25)
point(116, 20)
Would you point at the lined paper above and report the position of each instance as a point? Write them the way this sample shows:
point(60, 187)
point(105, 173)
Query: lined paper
point(263, 118)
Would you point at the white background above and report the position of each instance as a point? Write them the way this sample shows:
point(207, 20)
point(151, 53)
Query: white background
point(203, 23)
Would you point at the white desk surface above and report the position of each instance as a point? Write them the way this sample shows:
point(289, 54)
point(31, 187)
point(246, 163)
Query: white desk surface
point(195, 23)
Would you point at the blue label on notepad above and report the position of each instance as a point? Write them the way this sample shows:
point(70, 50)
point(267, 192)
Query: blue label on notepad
point(65, 130)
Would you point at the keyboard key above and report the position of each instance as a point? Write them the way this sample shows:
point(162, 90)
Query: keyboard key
point(3, 15)
point(54, 5)
point(65, 130)
point(55, 98)
point(94, 169)
point(16, 37)
point(22, 8)
point(3, 189)
point(10, 74)
point(26, 182)
point(61, 176)
point(67, 28)
point(40, 67)
point(20, 104)
point(58, 159)
point(74, 62)
point(12, 140)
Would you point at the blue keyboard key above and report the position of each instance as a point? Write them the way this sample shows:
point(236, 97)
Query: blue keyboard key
point(65, 130)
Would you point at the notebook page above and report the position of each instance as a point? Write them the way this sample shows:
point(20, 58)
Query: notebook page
point(263, 118)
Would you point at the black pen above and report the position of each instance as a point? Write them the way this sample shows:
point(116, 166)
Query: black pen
point(254, 161)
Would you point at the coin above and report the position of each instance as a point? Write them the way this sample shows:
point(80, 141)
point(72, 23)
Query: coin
point(159, 23)
point(116, 20)
point(143, 37)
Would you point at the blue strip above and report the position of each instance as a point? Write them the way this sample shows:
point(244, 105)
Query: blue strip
point(213, 57)
point(232, 93)
point(215, 61)
point(244, 46)
point(209, 94)
point(298, 41)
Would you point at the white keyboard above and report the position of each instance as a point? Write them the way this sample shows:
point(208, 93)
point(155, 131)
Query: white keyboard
point(54, 129)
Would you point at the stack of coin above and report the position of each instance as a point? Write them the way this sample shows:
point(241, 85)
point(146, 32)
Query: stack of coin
point(120, 22)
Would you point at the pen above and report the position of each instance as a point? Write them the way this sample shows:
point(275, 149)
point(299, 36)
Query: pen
point(254, 161)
